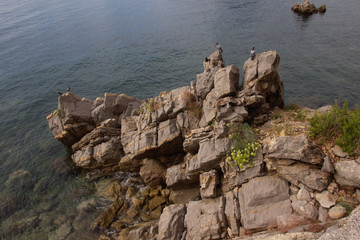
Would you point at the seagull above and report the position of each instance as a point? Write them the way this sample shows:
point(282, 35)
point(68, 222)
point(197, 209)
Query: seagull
point(219, 47)
point(68, 89)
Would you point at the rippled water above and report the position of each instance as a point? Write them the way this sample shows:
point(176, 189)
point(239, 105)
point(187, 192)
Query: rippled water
point(141, 48)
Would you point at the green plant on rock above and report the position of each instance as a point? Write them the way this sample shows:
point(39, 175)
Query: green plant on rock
point(58, 112)
point(339, 125)
point(150, 106)
point(244, 143)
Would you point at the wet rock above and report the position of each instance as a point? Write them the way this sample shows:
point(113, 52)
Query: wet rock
point(62, 232)
point(322, 8)
point(306, 8)
point(305, 209)
point(347, 173)
point(208, 184)
point(132, 212)
point(209, 107)
point(20, 179)
point(206, 219)
point(293, 147)
point(171, 223)
point(153, 172)
point(144, 231)
point(232, 211)
point(262, 200)
point(229, 109)
point(107, 216)
point(156, 201)
point(17, 225)
point(226, 81)
point(302, 173)
point(10, 203)
point(155, 214)
point(325, 199)
point(337, 212)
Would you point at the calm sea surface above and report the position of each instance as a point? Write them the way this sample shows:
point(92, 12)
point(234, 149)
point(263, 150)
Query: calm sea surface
point(141, 48)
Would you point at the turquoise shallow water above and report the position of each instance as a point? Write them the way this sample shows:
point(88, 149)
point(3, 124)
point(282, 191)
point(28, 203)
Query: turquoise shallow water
point(142, 48)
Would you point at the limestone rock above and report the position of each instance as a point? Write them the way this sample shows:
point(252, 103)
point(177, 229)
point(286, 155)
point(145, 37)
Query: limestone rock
point(171, 223)
point(337, 150)
point(143, 231)
point(306, 8)
point(153, 172)
point(262, 200)
point(327, 166)
point(289, 221)
point(303, 194)
point(192, 140)
point(261, 75)
point(305, 209)
point(226, 81)
point(205, 82)
point(73, 109)
point(293, 147)
point(156, 201)
point(325, 199)
point(208, 184)
point(337, 212)
point(322, 8)
point(176, 175)
point(169, 137)
point(303, 173)
point(185, 194)
point(206, 219)
point(229, 109)
point(232, 211)
point(347, 173)
point(210, 154)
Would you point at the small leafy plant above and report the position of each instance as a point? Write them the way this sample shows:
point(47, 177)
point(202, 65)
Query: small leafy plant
point(58, 113)
point(245, 145)
point(339, 125)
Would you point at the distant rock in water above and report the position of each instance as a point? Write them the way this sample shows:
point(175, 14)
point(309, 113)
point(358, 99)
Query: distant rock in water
point(307, 8)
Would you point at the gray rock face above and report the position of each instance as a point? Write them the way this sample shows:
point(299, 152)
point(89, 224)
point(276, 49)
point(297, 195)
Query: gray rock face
point(192, 140)
point(208, 184)
point(327, 166)
point(206, 219)
point(73, 109)
point(185, 195)
point(230, 109)
point(209, 107)
point(305, 209)
point(293, 147)
point(261, 75)
point(171, 223)
point(176, 175)
point(303, 173)
point(325, 199)
point(205, 82)
point(347, 173)
point(337, 212)
point(262, 200)
point(226, 81)
point(232, 211)
point(210, 154)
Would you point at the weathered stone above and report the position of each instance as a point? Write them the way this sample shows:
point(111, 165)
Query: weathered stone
point(131, 191)
point(132, 212)
point(303, 173)
point(156, 213)
point(262, 200)
point(169, 137)
point(337, 150)
point(177, 175)
point(306, 8)
point(107, 216)
point(143, 231)
point(337, 212)
point(303, 194)
point(73, 109)
point(289, 221)
point(205, 82)
point(208, 183)
point(228, 110)
point(325, 199)
point(214, 60)
point(210, 154)
point(110, 123)
point(111, 191)
point(206, 219)
point(327, 166)
point(20, 179)
point(232, 211)
point(177, 99)
point(293, 147)
point(171, 223)
point(153, 172)
point(185, 195)
point(347, 173)
point(108, 153)
point(305, 209)
point(323, 213)
point(137, 202)
point(209, 106)
point(192, 140)
point(226, 81)
point(237, 177)
point(322, 8)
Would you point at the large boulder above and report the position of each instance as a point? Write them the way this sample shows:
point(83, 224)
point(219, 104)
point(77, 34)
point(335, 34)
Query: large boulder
point(262, 75)
point(310, 176)
point(347, 173)
point(176, 176)
point(262, 200)
point(306, 8)
point(171, 223)
point(206, 219)
point(226, 81)
point(297, 148)
point(208, 184)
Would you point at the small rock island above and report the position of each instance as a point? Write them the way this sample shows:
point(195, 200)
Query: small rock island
point(172, 172)
point(308, 8)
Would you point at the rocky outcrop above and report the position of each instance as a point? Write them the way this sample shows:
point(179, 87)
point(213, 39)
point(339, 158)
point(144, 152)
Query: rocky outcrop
point(167, 160)
point(307, 8)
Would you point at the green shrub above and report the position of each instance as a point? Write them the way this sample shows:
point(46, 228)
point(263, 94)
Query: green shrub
point(244, 144)
point(58, 112)
point(339, 125)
